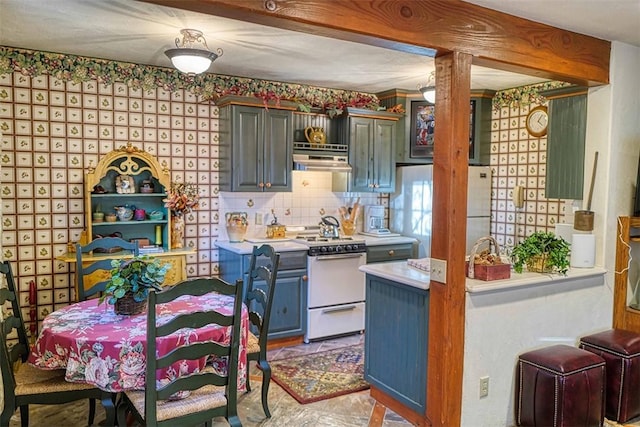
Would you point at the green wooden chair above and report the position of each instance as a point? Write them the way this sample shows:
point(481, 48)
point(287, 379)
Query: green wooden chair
point(210, 394)
point(28, 385)
point(100, 267)
point(263, 271)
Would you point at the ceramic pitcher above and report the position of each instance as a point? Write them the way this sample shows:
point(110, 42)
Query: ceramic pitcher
point(237, 223)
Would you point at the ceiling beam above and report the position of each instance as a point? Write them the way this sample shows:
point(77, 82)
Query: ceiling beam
point(431, 27)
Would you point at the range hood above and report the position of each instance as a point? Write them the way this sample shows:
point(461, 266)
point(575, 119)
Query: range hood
point(321, 162)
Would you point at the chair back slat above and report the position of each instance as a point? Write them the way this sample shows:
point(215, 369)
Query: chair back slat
point(261, 286)
point(184, 353)
point(195, 350)
point(10, 325)
point(100, 269)
point(193, 321)
point(260, 299)
point(52, 390)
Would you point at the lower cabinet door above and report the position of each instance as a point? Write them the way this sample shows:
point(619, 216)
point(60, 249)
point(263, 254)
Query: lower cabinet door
point(395, 352)
point(289, 308)
point(335, 320)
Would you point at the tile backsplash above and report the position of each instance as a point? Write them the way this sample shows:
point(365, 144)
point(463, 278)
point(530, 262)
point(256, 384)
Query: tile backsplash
point(310, 199)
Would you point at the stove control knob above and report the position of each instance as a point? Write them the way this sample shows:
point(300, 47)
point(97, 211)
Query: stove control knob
point(339, 249)
point(323, 249)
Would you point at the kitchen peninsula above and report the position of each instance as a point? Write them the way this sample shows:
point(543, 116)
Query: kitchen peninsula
point(503, 319)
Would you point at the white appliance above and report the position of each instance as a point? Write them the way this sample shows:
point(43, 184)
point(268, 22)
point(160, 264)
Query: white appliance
point(374, 223)
point(336, 286)
point(374, 219)
point(411, 206)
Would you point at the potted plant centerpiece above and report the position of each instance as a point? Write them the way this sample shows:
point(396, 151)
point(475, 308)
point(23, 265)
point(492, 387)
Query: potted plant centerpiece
point(130, 282)
point(542, 252)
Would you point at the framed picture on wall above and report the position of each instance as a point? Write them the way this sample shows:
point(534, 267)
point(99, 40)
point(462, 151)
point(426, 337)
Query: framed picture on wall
point(422, 129)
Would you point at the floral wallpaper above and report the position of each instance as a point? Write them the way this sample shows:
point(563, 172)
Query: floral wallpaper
point(79, 69)
point(523, 96)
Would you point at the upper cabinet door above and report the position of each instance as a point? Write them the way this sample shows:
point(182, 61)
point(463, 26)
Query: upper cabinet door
point(278, 150)
point(371, 137)
point(361, 153)
point(247, 148)
point(384, 150)
point(566, 137)
point(256, 151)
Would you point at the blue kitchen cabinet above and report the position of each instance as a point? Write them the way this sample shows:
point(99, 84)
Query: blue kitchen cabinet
point(289, 308)
point(371, 137)
point(256, 145)
point(397, 317)
point(391, 252)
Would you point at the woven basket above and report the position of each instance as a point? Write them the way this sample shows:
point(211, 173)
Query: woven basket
point(538, 264)
point(128, 306)
point(486, 272)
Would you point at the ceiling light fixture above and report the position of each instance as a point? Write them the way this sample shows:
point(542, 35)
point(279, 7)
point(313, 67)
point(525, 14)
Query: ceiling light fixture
point(429, 90)
point(188, 57)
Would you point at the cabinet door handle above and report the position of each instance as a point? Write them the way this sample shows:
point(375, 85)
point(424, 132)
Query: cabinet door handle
point(305, 277)
point(268, 185)
point(337, 309)
point(261, 185)
point(392, 252)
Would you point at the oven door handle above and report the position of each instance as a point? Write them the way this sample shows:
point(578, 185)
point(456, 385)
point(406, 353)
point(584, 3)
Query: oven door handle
point(337, 309)
point(339, 256)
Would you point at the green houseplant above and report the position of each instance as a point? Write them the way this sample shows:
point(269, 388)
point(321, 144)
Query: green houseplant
point(541, 252)
point(130, 282)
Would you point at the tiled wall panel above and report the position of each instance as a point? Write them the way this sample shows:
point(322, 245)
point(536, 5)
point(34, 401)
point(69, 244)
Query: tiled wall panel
point(517, 158)
point(51, 132)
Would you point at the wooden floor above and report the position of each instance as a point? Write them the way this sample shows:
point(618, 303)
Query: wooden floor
point(352, 410)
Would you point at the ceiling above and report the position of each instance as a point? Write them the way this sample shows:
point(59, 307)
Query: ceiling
point(132, 31)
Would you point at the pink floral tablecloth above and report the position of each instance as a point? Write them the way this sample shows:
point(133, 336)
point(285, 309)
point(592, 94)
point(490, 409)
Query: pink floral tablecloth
point(99, 347)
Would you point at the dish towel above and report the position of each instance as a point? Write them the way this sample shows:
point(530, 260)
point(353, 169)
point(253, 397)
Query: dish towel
point(423, 264)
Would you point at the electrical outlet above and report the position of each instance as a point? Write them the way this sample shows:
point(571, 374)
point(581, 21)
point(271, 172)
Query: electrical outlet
point(439, 270)
point(484, 386)
point(259, 220)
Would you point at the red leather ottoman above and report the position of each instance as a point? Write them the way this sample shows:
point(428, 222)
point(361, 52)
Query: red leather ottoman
point(621, 351)
point(560, 386)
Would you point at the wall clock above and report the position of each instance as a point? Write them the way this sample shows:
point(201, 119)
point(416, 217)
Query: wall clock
point(537, 121)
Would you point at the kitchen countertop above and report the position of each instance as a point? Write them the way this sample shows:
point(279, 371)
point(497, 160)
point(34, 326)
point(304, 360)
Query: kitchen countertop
point(400, 272)
point(245, 248)
point(377, 241)
point(518, 280)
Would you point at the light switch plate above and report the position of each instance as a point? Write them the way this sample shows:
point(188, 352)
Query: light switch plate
point(439, 270)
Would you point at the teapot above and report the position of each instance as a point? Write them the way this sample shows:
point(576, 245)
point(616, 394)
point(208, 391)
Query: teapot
point(329, 226)
point(124, 213)
point(315, 135)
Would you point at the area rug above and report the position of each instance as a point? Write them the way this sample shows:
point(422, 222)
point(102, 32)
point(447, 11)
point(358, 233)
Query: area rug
point(321, 375)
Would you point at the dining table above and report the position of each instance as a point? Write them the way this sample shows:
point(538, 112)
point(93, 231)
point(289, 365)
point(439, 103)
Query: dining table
point(95, 345)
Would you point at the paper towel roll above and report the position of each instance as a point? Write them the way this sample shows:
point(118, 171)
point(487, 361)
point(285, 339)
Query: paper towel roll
point(583, 250)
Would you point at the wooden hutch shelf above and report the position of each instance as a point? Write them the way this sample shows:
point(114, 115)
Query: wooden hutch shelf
point(625, 317)
point(140, 169)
